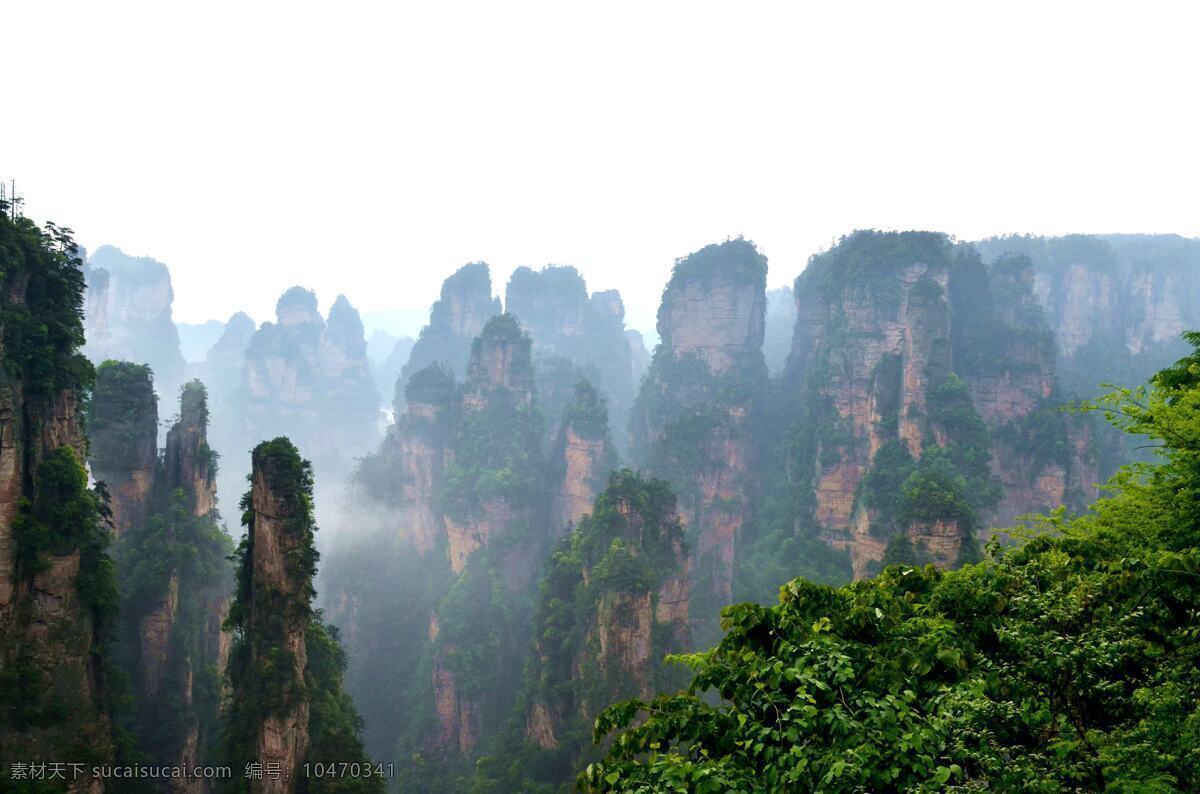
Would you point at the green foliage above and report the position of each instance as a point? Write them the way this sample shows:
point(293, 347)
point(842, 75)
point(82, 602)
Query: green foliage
point(497, 441)
point(62, 517)
point(620, 553)
point(737, 257)
point(1069, 663)
point(587, 413)
point(174, 543)
point(935, 491)
point(42, 315)
point(496, 456)
point(334, 724)
point(433, 385)
point(123, 417)
point(260, 670)
point(871, 260)
point(471, 618)
point(880, 489)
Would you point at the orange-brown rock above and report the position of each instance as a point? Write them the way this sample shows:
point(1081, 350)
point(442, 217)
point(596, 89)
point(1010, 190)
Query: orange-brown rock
point(702, 393)
point(628, 623)
point(876, 350)
point(586, 460)
point(278, 539)
point(45, 626)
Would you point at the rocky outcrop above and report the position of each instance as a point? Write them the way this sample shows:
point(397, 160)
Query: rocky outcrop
point(55, 600)
point(714, 307)
point(456, 318)
point(1116, 303)
point(123, 425)
point(564, 322)
point(309, 379)
point(286, 706)
point(278, 566)
point(695, 418)
point(345, 373)
point(584, 459)
point(872, 340)
point(496, 398)
point(612, 604)
point(415, 454)
point(461, 487)
point(189, 463)
point(583, 456)
point(128, 314)
point(919, 369)
point(172, 566)
point(224, 360)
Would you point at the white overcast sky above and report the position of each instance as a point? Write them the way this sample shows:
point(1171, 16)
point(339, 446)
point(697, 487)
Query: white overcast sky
point(372, 148)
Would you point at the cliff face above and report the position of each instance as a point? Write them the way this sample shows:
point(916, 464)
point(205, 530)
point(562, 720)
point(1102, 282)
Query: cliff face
point(283, 659)
point(455, 319)
point(172, 567)
point(56, 592)
point(416, 450)
point(280, 585)
point(1041, 457)
point(583, 456)
point(123, 425)
point(920, 372)
point(695, 419)
point(874, 391)
point(497, 430)
point(613, 602)
point(713, 308)
point(189, 463)
point(564, 322)
point(466, 503)
point(1115, 303)
point(128, 314)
